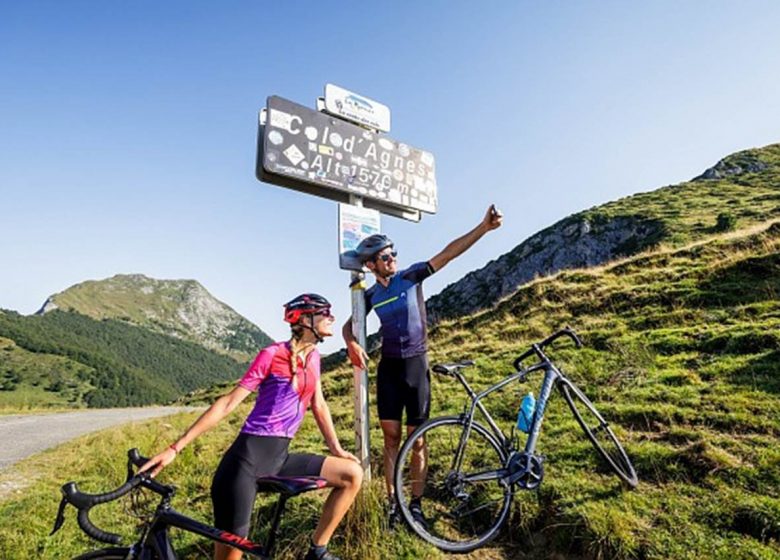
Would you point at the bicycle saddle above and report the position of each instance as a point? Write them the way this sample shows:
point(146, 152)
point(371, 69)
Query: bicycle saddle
point(289, 486)
point(451, 369)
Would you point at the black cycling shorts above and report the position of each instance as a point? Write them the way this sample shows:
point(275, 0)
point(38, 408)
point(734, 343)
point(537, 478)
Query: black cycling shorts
point(404, 383)
point(250, 457)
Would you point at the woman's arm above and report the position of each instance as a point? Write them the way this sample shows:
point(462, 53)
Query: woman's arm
point(216, 412)
point(321, 412)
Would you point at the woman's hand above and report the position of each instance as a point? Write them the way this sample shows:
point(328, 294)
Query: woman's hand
point(158, 462)
point(344, 454)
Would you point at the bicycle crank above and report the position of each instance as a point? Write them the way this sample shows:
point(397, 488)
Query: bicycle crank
point(525, 470)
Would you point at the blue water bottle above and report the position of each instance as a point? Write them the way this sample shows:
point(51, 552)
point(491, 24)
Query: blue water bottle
point(525, 416)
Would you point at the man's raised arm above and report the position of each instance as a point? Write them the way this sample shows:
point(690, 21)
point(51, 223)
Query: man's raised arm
point(491, 221)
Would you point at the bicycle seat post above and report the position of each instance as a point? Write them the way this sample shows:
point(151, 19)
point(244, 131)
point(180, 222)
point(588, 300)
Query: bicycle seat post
point(272, 532)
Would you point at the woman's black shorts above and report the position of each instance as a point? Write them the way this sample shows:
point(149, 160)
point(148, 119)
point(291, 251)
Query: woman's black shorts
point(404, 383)
point(250, 457)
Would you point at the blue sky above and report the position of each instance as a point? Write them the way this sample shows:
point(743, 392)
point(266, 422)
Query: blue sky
point(128, 129)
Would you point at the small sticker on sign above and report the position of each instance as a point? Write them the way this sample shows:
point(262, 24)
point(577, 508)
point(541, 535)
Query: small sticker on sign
point(386, 144)
point(275, 137)
point(335, 139)
point(311, 133)
point(325, 150)
point(293, 154)
point(280, 119)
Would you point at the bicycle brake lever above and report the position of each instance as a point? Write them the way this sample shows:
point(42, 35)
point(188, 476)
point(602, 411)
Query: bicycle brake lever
point(60, 516)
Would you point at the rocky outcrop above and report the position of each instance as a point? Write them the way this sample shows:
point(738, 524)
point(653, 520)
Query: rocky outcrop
point(736, 164)
point(582, 240)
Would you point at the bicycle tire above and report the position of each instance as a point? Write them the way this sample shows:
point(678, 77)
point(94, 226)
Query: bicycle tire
point(121, 553)
point(608, 446)
point(448, 528)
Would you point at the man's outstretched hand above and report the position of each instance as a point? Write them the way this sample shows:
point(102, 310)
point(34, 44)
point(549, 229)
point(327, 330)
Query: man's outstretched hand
point(493, 218)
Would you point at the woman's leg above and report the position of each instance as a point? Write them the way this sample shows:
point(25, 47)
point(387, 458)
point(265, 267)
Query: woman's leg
point(345, 476)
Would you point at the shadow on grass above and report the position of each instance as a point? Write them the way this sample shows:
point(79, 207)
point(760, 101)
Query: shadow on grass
point(761, 374)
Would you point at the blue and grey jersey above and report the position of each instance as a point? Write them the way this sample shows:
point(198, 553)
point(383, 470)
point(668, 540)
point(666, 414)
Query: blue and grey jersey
point(401, 310)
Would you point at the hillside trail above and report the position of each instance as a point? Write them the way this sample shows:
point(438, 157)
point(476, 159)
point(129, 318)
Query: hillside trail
point(22, 435)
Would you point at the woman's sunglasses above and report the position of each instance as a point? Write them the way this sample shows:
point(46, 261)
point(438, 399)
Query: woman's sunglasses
point(325, 312)
point(387, 256)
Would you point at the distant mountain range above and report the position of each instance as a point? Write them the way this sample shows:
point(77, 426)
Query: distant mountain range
point(127, 340)
point(180, 308)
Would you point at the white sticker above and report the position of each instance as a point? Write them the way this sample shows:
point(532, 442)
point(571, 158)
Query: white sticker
point(280, 119)
point(398, 175)
point(427, 158)
point(312, 146)
point(311, 133)
point(325, 150)
point(275, 137)
point(293, 154)
point(367, 135)
point(404, 149)
point(335, 139)
point(271, 156)
point(339, 156)
point(305, 164)
point(386, 144)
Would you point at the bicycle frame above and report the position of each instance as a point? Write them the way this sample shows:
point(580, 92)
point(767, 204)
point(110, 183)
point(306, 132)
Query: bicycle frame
point(156, 542)
point(552, 376)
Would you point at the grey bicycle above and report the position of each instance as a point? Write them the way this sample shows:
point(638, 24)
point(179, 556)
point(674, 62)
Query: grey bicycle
point(474, 470)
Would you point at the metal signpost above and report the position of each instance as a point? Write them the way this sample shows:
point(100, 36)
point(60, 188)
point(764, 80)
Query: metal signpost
point(339, 152)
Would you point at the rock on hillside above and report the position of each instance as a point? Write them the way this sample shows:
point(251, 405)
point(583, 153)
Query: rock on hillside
point(745, 185)
point(181, 308)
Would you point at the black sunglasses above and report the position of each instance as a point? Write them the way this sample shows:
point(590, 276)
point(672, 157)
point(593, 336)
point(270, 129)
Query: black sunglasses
point(387, 256)
point(324, 312)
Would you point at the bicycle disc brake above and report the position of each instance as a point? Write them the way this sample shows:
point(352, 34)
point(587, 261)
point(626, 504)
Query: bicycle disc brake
point(525, 470)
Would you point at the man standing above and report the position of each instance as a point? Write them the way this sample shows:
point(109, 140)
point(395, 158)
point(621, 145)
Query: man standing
point(403, 381)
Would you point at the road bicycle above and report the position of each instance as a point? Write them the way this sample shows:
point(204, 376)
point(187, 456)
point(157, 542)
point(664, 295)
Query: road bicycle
point(474, 470)
point(154, 542)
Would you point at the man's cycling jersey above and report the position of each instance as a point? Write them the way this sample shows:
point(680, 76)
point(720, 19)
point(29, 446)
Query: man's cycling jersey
point(280, 404)
point(401, 310)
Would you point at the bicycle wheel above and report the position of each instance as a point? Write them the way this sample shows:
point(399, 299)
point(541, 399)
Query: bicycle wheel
point(106, 554)
point(459, 514)
point(599, 433)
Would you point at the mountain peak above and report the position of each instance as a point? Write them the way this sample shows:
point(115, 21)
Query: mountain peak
point(181, 308)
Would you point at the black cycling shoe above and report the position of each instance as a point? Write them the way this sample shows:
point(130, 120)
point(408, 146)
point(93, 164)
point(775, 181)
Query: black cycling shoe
point(393, 515)
point(415, 508)
point(314, 555)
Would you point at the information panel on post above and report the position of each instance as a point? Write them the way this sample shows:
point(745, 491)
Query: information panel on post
point(330, 157)
point(355, 224)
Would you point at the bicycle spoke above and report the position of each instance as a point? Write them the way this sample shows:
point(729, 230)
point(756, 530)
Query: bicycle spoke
point(463, 509)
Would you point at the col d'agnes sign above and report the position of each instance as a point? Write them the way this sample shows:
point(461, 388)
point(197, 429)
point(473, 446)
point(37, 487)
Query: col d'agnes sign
point(306, 146)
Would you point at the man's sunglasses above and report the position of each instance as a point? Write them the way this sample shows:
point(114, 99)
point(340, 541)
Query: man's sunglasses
point(324, 312)
point(387, 256)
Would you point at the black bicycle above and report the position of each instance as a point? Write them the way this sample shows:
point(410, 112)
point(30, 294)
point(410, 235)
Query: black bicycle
point(473, 470)
point(154, 542)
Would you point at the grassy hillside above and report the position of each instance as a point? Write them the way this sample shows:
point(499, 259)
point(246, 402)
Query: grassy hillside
point(742, 190)
point(180, 308)
point(682, 355)
point(67, 359)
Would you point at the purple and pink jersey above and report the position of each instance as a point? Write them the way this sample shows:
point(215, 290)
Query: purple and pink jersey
point(280, 404)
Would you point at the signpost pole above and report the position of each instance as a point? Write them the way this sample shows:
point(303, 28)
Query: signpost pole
point(360, 375)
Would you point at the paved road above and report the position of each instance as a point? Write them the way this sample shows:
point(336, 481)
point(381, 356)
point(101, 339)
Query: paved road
point(25, 434)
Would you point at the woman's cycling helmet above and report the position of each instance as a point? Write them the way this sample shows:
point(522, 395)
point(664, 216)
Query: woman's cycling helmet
point(304, 304)
point(371, 245)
